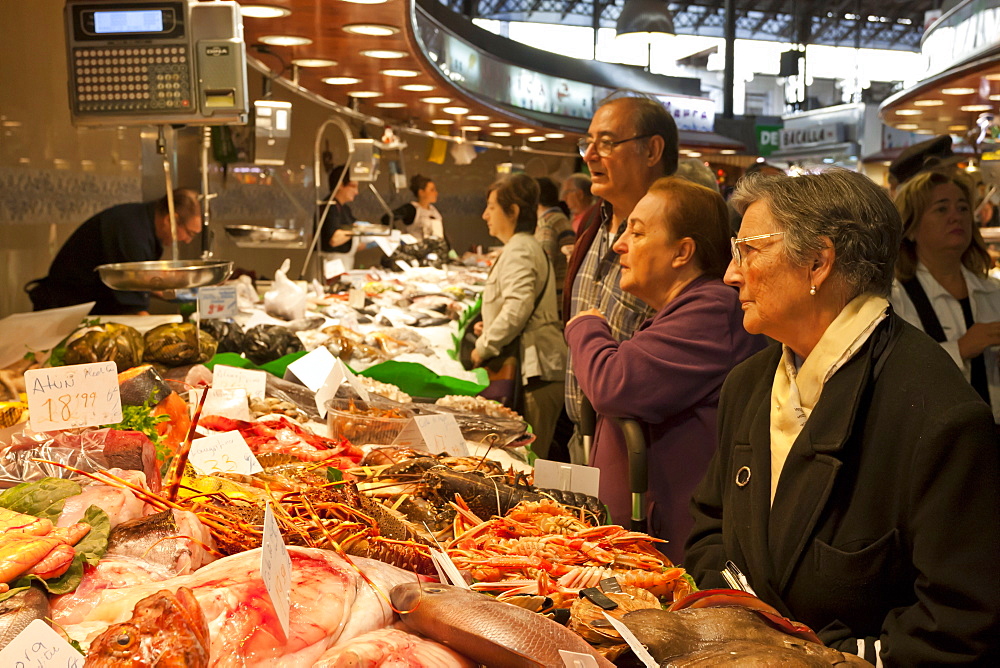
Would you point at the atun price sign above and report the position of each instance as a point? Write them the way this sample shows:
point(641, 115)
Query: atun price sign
point(79, 395)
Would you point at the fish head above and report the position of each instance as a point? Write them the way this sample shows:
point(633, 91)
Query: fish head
point(19, 610)
point(166, 629)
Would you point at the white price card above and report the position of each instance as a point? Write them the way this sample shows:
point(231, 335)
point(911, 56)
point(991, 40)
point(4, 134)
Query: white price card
point(356, 298)
point(577, 660)
point(637, 647)
point(231, 377)
point(353, 381)
point(38, 646)
point(320, 372)
point(387, 244)
point(78, 395)
point(217, 301)
point(231, 403)
point(333, 268)
point(276, 568)
point(567, 477)
point(408, 239)
point(227, 452)
point(434, 433)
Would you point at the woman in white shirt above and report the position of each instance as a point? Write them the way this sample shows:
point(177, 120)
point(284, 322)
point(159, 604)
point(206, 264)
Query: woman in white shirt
point(942, 284)
point(420, 218)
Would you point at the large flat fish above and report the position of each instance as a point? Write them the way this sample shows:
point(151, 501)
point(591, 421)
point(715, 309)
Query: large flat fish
point(19, 610)
point(485, 629)
point(733, 635)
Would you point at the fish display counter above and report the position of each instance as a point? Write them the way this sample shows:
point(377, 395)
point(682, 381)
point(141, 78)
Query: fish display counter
point(406, 516)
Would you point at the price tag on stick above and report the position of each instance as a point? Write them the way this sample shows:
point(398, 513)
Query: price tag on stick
point(276, 568)
point(78, 395)
point(39, 645)
point(217, 301)
point(227, 452)
point(231, 377)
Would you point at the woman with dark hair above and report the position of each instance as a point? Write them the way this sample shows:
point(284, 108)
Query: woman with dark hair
point(420, 217)
point(857, 481)
point(519, 306)
point(337, 240)
point(942, 285)
point(673, 253)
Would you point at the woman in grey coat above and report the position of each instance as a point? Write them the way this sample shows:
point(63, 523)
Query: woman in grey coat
point(519, 301)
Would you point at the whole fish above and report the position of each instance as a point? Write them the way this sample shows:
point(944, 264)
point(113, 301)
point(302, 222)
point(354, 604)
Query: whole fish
point(166, 630)
point(19, 610)
point(391, 647)
point(173, 539)
point(485, 629)
point(710, 636)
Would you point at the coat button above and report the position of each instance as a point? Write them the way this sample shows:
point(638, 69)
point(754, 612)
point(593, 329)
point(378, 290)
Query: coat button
point(743, 476)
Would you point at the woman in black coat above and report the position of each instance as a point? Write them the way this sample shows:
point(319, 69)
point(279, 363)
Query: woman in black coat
point(857, 481)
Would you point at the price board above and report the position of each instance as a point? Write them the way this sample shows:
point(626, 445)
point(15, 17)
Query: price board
point(78, 395)
point(217, 301)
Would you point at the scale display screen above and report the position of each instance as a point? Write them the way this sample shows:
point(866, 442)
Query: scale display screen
point(128, 21)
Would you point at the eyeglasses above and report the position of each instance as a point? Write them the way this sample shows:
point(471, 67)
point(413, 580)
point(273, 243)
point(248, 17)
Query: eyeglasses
point(604, 146)
point(734, 244)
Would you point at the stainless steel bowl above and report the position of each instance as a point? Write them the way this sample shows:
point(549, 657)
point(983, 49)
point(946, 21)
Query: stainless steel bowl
point(165, 274)
point(261, 234)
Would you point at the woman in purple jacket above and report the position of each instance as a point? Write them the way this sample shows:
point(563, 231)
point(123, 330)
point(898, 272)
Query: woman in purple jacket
point(674, 252)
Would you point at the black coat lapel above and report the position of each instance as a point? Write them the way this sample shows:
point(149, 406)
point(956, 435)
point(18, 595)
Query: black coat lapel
point(811, 469)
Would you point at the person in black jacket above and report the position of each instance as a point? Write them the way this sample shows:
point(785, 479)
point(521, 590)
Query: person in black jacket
point(420, 217)
point(337, 236)
point(857, 480)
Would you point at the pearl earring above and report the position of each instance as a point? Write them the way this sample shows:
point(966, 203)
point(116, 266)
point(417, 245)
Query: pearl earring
point(812, 291)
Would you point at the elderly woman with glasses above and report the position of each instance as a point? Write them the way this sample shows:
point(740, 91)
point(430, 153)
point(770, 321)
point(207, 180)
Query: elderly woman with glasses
point(668, 375)
point(857, 480)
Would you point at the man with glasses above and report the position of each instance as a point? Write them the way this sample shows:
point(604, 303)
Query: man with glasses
point(631, 142)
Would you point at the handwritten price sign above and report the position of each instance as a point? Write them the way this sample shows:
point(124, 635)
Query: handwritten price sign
point(218, 301)
point(226, 452)
point(79, 395)
point(38, 646)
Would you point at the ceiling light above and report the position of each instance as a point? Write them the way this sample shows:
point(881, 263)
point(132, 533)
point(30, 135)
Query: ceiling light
point(285, 40)
point(524, 131)
point(694, 154)
point(976, 107)
point(364, 93)
point(907, 126)
point(928, 103)
point(499, 125)
point(371, 29)
point(909, 112)
point(367, 2)
point(401, 73)
point(417, 88)
point(458, 111)
point(471, 128)
point(478, 117)
point(957, 128)
point(441, 121)
point(436, 100)
point(554, 135)
point(728, 151)
point(383, 53)
point(536, 138)
point(341, 81)
point(924, 131)
point(993, 76)
point(313, 62)
point(390, 105)
point(500, 134)
point(264, 11)
point(958, 91)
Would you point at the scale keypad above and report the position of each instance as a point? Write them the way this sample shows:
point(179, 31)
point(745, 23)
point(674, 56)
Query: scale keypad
point(137, 78)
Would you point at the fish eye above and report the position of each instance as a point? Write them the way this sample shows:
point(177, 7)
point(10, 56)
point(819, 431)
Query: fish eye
point(124, 639)
point(433, 590)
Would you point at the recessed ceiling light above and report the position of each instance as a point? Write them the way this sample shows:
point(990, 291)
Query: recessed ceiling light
point(694, 154)
point(383, 53)
point(471, 128)
point(909, 112)
point(442, 121)
point(554, 135)
point(728, 151)
point(364, 93)
point(995, 98)
point(536, 138)
point(524, 131)
point(958, 91)
point(958, 128)
point(367, 2)
point(907, 126)
point(499, 125)
point(478, 117)
point(458, 111)
point(993, 76)
point(400, 73)
point(501, 133)
point(976, 107)
point(371, 29)
point(928, 103)
point(264, 11)
point(417, 88)
point(924, 131)
point(341, 81)
point(436, 100)
point(313, 62)
point(390, 105)
point(285, 40)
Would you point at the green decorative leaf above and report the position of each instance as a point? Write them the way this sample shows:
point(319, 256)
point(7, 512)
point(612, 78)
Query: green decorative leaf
point(63, 584)
point(333, 474)
point(43, 498)
point(95, 543)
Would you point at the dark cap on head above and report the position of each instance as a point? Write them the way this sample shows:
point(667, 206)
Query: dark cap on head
point(925, 155)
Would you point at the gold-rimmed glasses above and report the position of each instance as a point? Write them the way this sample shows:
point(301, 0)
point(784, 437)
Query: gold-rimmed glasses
point(734, 244)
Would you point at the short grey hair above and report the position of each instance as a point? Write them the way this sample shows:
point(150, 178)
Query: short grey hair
point(649, 118)
point(696, 171)
point(579, 182)
point(849, 208)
